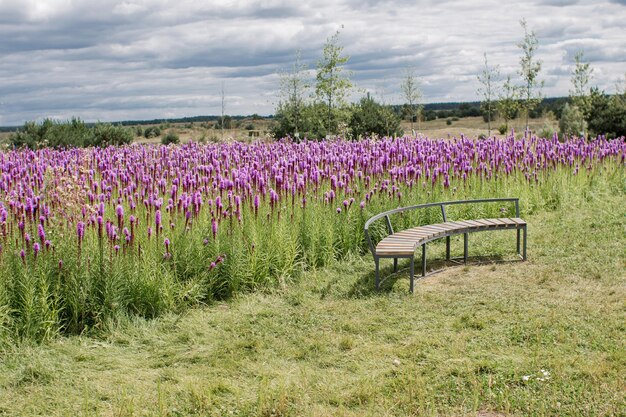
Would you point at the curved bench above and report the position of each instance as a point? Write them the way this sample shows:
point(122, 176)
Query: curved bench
point(404, 243)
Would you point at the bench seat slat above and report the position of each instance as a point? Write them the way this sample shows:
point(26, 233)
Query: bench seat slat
point(404, 243)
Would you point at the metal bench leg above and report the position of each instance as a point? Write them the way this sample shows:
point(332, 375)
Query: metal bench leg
point(424, 260)
point(525, 237)
point(412, 274)
point(377, 274)
point(465, 237)
point(518, 242)
point(395, 264)
point(447, 248)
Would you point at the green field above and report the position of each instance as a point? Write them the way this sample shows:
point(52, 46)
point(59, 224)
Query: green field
point(542, 337)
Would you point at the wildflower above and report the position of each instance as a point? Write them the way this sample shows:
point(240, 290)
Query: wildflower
point(41, 233)
point(214, 227)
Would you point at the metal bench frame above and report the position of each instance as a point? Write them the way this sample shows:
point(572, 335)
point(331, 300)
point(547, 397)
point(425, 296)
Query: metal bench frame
point(447, 234)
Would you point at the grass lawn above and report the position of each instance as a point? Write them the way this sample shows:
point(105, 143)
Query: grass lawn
point(544, 337)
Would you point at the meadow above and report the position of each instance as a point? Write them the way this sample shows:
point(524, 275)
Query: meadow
point(104, 251)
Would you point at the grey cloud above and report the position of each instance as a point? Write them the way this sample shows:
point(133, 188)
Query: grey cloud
point(558, 3)
point(132, 59)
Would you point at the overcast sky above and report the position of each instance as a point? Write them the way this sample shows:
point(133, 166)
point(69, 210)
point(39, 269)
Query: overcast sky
point(142, 59)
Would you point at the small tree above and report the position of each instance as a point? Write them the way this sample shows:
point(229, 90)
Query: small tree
point(488, 79)
point(333, 85)
point(579, 94)
point(508, 101)
point(412, 95)
point(293, 90)
point(530, 67)
point(569, 124)
point(371, 118)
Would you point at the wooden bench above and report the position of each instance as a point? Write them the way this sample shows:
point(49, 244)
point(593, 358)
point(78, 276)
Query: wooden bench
point(404, 243)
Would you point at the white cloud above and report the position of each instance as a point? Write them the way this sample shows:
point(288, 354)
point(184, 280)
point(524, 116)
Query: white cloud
point(131, 59)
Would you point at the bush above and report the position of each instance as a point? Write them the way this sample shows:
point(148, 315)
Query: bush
point(503, 129)
point(249, 126)
point(105, 134)
point(73, 133)
point(448, 122)
point(369, 118)
point(572, 122)
point(171, 137)
point(152, 132)
point(138, 131)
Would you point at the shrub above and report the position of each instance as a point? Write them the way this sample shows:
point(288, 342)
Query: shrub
point(171, 137)
point(105, 134)
point(73, 133)
point(503, 129)
point(448, 122)
point(152, 132)
point(371, 118)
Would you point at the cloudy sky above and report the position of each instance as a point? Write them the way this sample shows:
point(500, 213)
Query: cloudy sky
point(142, 59)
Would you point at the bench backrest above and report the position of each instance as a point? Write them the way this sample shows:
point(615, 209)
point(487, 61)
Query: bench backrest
point(442, 205)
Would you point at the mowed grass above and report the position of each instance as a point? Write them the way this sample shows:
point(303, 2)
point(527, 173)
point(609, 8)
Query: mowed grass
point(543, 337)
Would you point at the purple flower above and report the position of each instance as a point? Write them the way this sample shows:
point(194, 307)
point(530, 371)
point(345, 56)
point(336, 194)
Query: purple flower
point(157, 218)
point(80, 231)
point(41, 233)
point(214, 227)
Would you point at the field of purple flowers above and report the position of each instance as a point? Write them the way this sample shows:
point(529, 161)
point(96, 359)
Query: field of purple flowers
point(91, 235)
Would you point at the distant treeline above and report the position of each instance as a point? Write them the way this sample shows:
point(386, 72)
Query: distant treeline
point(432, 111)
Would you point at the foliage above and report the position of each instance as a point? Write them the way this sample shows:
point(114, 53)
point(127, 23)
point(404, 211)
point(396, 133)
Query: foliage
point(105, 134)
point(608, 113)
point(371, 118)
point(152, 132)
point(294, 86)
point(311, 126)
point(226, 122)
point(508, 103)
point(487, 91)
point(572, 121)
point(74, 133)
point(170, 138)
point(333, 85)
point(579, 94)
point(529, 71)
point(412, 95)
